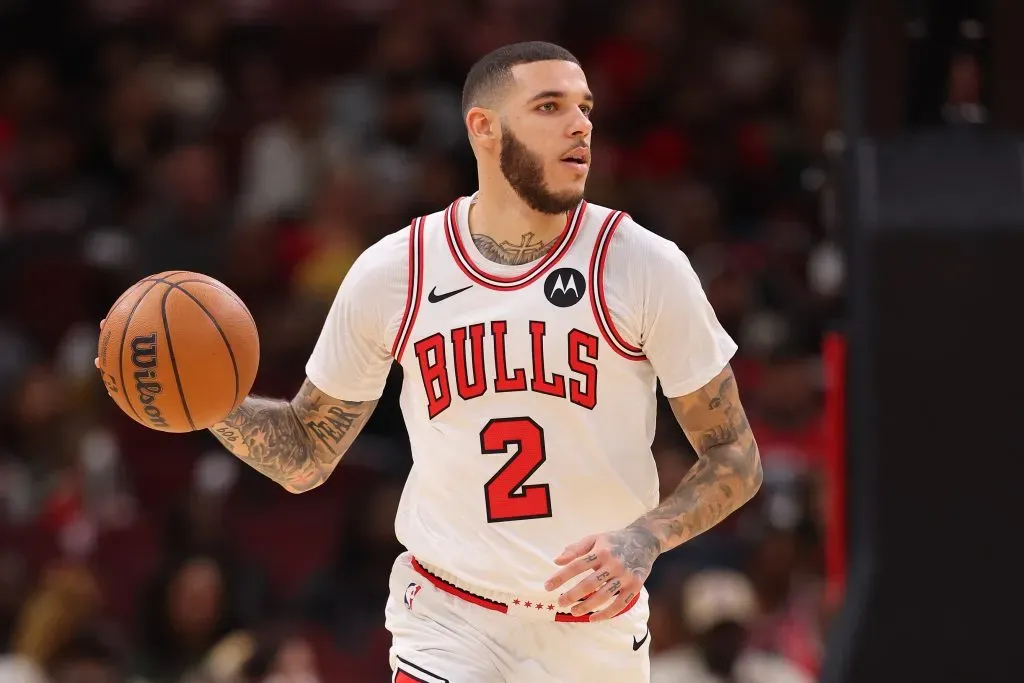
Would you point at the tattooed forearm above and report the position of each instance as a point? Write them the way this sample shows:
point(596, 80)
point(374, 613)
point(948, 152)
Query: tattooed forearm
point(529, 249)
point(726, 475)
point(297, 443)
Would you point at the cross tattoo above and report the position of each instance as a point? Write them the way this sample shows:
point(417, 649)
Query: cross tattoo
point(525, 245)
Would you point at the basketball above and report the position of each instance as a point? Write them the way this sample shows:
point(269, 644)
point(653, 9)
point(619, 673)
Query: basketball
point(178, 351)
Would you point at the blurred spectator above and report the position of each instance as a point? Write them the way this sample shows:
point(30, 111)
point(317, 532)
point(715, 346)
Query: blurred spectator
point(193, 88)
point(346, 597)
point(132, 130)
point(67, 601)
point(397, 112)
point(187, 225)
point(718, 607)
point(54, 201)
point(197, 528)
point(320, 256)
point(790, 597)
point(88, 658)
point(787, 418)
point(286, 159)
point(189, 608)
point(13, 588)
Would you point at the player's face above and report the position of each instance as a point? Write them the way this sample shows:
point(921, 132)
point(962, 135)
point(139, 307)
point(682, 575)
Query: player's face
point(545, 135)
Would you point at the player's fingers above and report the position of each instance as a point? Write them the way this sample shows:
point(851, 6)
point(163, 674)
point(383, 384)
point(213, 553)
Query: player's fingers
point(576, 549)
point(613, 609)
point(599, 598)
point(585, 588)
point(96, 361)
point(577, 566)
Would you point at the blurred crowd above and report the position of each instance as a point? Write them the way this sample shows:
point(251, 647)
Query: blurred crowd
point(266, 143)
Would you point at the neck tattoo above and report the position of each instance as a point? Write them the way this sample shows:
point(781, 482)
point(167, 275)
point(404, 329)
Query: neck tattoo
point(529, 249)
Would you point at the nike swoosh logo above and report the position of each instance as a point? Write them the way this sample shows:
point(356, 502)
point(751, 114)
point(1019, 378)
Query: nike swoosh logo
point(636, 645)
point(434, 297)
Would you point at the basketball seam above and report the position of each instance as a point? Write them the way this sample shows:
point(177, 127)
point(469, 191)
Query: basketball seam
point(231, 353)
point(209, 281)
point(170, 352)
point(140, 282)
point(226, 290)
point(120, 359)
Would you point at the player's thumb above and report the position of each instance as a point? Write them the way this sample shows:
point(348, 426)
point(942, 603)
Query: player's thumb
point(574, 550)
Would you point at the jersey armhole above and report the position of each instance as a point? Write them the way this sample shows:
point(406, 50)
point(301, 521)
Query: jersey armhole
point(598, 301)
point(414, 289)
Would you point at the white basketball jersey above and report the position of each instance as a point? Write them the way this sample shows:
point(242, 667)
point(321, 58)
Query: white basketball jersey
point(530, 420)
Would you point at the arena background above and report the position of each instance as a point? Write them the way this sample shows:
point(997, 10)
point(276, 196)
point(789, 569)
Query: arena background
point(845, 179)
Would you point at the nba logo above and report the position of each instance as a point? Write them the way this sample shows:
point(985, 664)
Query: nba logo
point(410, 594)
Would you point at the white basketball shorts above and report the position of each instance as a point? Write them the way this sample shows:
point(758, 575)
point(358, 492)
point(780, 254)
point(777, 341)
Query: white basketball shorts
point(443, 632)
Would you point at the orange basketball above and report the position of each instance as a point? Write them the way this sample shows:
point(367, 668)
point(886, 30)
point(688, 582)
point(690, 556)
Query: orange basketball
point(178, 351)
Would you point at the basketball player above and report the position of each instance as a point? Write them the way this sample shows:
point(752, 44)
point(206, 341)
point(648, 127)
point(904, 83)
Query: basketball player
point(532, 328)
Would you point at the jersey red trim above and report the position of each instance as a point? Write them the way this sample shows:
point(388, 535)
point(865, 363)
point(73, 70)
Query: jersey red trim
point(482, 277)
point(452, 589)
point(568, 617)
point(597, 299)
point(414, 290)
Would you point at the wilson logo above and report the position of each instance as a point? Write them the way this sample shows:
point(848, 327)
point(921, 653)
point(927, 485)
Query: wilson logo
point(146, 382)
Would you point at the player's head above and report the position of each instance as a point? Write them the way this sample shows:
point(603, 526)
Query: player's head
point(527, 109)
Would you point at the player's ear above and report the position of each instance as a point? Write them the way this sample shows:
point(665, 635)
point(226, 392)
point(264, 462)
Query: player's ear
point(482, 125)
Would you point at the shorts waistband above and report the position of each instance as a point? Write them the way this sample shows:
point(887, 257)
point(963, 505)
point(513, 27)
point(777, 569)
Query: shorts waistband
point(505, 603)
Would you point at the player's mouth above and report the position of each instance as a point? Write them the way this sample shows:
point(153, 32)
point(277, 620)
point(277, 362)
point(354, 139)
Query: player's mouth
point(578, 158)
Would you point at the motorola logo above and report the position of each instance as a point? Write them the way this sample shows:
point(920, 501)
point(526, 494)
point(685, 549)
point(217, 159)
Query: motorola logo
point(565, 287)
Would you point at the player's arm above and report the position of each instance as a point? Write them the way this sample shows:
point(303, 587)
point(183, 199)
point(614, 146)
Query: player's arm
point(668, 314)
point(296, 443)
point(726, 475)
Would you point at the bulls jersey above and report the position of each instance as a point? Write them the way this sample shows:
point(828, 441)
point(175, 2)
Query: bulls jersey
point(528, 391)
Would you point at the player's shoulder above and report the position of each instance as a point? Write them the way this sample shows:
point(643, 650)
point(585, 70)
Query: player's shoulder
point(391, 252)
point(629, 237)
point(391, 245)
point(382, 266)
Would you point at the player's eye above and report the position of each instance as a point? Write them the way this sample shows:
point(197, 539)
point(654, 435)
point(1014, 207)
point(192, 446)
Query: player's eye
point(586, 109)
point(548, 106)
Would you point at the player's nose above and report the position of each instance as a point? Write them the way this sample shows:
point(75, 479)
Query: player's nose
point(581, 125)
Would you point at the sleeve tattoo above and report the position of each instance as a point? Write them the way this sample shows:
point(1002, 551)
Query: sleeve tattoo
point(297, 444)
point(726, 475)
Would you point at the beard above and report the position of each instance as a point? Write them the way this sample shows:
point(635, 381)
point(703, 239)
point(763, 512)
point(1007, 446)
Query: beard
point(524, 171)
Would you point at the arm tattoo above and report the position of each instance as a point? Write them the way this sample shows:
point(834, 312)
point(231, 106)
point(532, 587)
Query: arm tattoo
point(726, 475)
point(530, 248)
point(297, 443)
point(637, 548)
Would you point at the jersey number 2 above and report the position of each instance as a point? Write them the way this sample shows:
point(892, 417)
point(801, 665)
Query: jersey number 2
point(506, 495)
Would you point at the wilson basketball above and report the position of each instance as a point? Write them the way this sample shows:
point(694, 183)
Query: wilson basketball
point(178, 351)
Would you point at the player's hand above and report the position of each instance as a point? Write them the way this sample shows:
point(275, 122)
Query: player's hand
point(96, 360)
point(619, 562)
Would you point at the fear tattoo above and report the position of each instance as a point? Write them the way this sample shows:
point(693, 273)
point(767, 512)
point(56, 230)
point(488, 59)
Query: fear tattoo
point(296, 444)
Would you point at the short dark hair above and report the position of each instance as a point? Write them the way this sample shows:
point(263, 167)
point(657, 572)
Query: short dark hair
point(494, 70)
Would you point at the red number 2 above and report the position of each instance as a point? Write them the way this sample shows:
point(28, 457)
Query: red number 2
point(504, 502)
